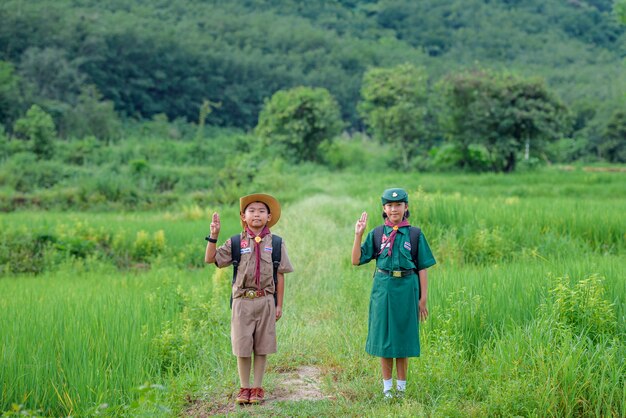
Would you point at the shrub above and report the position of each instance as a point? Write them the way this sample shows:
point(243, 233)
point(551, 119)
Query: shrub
point(299, 120)
point(38, 128)
point(24, 173)
point(582, 307)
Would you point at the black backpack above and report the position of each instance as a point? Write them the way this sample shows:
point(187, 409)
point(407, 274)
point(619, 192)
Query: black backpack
point(235, 248)
point(414, 233)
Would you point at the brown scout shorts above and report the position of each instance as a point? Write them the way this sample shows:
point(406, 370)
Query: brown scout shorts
point(253, 326)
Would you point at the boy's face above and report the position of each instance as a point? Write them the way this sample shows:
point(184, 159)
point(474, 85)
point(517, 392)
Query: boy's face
point(256, 215)
point(395, 211)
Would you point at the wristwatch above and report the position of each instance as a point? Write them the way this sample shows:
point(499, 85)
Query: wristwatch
point(213, 240)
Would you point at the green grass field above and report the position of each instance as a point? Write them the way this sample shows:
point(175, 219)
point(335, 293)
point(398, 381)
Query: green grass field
point(527, 305)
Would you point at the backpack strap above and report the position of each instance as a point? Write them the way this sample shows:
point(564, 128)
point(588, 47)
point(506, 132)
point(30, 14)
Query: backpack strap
point(277, 243)
point(235, 251)
point(414, 234)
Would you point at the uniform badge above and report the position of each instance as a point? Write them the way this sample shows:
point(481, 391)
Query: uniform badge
point(257, 239)
point(385, 238)
point(268, 249)
point(407, 245)
point(394, 194)
point(245, 250)
point(244, 243)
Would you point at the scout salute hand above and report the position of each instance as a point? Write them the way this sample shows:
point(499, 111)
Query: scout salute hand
point(359, 228)
point(209, 255)
point(215, 226)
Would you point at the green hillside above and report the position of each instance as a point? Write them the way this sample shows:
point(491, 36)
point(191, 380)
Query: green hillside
point(167, 57)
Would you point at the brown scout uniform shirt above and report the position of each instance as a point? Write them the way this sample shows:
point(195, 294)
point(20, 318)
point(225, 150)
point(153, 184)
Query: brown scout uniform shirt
point(245, 272)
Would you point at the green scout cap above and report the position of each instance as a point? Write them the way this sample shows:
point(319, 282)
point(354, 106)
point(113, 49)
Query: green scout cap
point(395, 195)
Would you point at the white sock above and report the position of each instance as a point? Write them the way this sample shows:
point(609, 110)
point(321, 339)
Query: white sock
point(401, 385)
point(387, 385)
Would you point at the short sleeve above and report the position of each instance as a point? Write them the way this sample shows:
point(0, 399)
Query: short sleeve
point(367, 249)
point(285, 264)
point(223, 255)
point(425, 257)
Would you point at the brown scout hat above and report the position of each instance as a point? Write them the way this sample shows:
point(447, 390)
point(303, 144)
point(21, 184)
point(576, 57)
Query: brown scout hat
point(270, 201)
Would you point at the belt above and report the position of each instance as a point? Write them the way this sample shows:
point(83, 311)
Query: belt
point(396, 273)
point(253, 294)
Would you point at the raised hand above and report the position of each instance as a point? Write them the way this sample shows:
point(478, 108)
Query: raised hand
point(215, 225)
point(359, 228)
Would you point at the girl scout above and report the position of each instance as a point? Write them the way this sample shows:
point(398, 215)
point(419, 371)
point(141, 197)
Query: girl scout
point(399, 294)
point(254, 310)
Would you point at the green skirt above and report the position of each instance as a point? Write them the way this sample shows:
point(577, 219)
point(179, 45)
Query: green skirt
point(393, 329)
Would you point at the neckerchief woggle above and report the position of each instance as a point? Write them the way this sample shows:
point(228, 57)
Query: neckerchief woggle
point(394, 232)
point(257, 250)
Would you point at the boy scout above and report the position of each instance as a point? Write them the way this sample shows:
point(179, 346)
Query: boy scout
point(254, 309)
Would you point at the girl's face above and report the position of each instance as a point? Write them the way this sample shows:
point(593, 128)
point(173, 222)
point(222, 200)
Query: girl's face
point(395, 211)
point(256, 215)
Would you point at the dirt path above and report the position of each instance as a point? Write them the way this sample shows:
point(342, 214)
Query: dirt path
point(301, 384)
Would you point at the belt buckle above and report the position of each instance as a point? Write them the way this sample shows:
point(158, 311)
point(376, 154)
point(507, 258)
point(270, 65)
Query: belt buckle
point(396, 273)
point(250, 294)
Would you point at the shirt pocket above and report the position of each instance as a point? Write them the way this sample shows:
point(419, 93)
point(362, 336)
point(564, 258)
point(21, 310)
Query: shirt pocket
point(267, 269)
point(405, 259)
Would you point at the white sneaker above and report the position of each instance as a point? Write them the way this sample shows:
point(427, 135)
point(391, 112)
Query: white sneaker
point(388, 394)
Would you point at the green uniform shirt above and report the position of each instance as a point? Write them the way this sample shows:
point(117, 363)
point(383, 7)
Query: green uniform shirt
point(401, 254)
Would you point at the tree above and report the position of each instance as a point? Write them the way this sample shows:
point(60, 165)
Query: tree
point(394, 106)
point(299, 120)
point(92, 116)
point(505, 113)
point(613, 148)
point(620, 10)
point(51, 75)
point(38, 127)
point(9, 93)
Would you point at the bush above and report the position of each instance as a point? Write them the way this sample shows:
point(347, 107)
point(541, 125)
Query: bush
point(92, 116)
point(24, 173)
point(299, 120)
point(447, 157)
point(358, 152)
point(38, 128)
point(582, 307)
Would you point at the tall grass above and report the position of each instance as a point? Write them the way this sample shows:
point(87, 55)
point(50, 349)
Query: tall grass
point(72, 341)
point(526, 301)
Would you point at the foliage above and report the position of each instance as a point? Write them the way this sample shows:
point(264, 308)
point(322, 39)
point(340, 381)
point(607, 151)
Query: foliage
point(620, 10)
point(38, 128)
point(23, 173)
point(299, 120)
point(395, 107)
point(357, 153)
point(450, 156)
point(501, 339)
point(505, 113)
point(159, 58)
point(9, 93)
point(613, 148)
point(582, 307)
point(91, 117)
point(50, 76)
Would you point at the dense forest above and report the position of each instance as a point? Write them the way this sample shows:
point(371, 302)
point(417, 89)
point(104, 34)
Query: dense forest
point(75, 69)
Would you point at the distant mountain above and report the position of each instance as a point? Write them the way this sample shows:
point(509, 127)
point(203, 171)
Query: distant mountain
point(159, 56)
